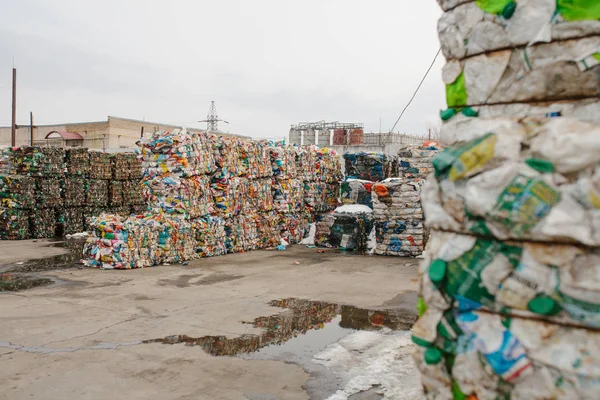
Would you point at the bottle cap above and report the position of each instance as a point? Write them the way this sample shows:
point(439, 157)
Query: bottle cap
point(445, 115)
point(432, 356)
point(544, 305)
point(469, 112)
point(437, 271)
point(509, 10)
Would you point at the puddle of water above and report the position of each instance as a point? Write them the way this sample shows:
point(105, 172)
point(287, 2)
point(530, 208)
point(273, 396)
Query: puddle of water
point(303, 316)
point(16, 282)
point(62, 261)
point(296, 335)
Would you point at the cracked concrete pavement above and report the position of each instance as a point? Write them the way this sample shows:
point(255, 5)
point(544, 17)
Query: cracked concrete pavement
point(81, 339)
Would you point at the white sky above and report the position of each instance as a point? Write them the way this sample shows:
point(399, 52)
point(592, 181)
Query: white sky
point(267, 63)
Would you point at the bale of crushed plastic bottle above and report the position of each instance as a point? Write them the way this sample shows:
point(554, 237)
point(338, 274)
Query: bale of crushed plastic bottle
point(177, 152)
point(545, 72)
point(415, 162)
point(370, 166)
point(189, 197)
point(69, 220)
point(77, 161)
point(210, 236)
point(346, 228)
point(357, 191)
point(398, 215)
point(17, 191)
point(96, 193)
point(14, 224)
point(42, 223)
point(115, 193)
point(288, 195)
point(73, 190)
point(47, 191)
point(100, 165)
point(532, 179)
point(471, 29)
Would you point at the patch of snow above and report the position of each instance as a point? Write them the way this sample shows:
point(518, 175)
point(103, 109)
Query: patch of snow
point(357, 180)
point(366, 359)
point(393, 180)
point(310, 239)
point(372, 242)
point(354, 209)
point(79, 235)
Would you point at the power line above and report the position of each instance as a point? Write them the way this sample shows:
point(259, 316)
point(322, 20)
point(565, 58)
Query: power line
point(418, 87)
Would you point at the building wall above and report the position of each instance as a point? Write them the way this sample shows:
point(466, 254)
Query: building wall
point(114, 133)
point(91, 133)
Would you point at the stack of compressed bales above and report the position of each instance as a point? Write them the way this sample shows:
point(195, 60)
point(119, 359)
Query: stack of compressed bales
point(398, 218)
point(47, 166)
point(127, 168)
point(371, 166)
point(357, 191)
point(288, 192)
point(210, 195)
point(510, 288)
point(415, 162)
point(115, 193)
point(70, 216)
point(320, 169)
point(98, 185)
point(16, 198)
point(346, 228)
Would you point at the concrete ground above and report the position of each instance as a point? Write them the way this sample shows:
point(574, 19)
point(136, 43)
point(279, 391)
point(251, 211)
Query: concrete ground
point(81, 338)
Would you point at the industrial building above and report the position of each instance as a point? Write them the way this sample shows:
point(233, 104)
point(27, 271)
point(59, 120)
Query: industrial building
point(114, 133)
point(349, 137)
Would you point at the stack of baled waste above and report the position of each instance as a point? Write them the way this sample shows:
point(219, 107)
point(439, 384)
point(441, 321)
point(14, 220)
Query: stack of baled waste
point(398, 218)
point(510, 288)
point(213, 195)
point(415, 161)
point(320, 169)
point(357, 191)
point(45, 165)
point(16, 199)
point(63, 189)
point(370, 166)
point(347, 228)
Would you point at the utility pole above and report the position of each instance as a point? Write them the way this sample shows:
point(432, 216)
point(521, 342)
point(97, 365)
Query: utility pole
point(31, 126)
point(13, 132)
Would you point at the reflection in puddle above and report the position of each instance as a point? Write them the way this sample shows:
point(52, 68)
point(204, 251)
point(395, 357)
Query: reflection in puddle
point(68, 260)
point(303, 316)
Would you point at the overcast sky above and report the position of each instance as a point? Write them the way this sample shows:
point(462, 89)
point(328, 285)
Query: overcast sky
point(267, 63)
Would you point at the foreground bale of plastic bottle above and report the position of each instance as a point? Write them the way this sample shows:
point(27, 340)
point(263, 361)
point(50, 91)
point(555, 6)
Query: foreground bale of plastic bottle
point(510, 290)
